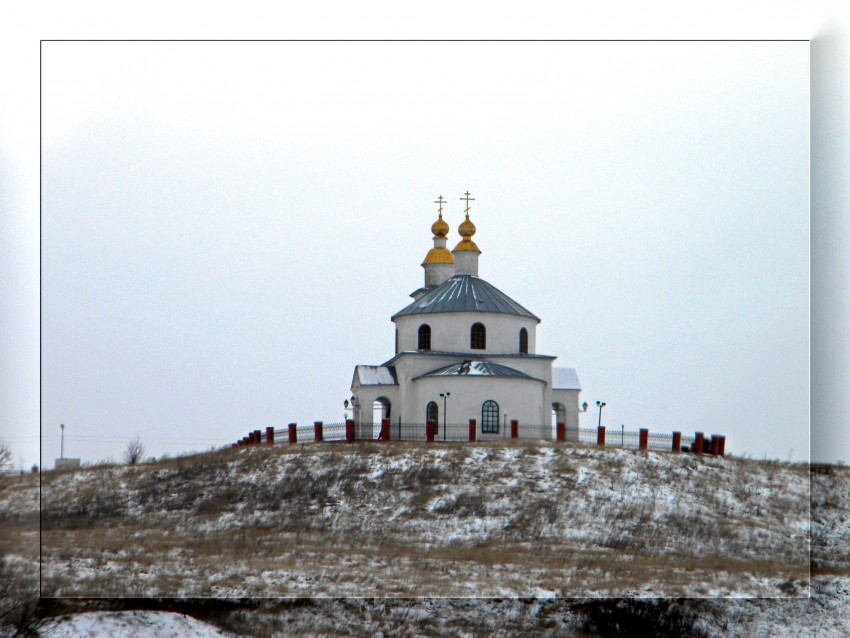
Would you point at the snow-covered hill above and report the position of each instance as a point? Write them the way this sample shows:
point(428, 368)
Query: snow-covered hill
point(413, 520)
point(666, 532)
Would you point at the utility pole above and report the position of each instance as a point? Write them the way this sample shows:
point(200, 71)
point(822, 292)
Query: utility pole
point(62, 441)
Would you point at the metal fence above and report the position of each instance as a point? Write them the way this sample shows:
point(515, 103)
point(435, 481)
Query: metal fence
point(462, 432)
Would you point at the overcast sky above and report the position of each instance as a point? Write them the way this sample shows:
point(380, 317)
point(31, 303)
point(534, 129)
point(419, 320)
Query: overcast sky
point(227, 227)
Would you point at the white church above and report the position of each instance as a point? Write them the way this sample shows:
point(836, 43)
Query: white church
point(464, 346)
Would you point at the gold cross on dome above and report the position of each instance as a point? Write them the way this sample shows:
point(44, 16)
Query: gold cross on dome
point(440, 201)
point(468, 199)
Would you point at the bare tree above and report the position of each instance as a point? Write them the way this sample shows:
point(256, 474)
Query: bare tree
point(5, 456)
point(135, 451)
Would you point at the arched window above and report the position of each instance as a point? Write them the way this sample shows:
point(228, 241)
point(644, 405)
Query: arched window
point(490, 417)
point(424, 337)
point(431, 414)
point(478, 337)
point(523, 341)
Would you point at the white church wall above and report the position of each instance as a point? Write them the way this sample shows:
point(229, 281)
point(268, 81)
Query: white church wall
point(366, 395)
point(466, 262)
point(517, 398)
point(435, 274)
point(569, 399)
point(450, 332)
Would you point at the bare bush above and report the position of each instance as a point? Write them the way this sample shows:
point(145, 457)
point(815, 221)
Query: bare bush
point(135, 451)
point(5, 457)
point(22, 611)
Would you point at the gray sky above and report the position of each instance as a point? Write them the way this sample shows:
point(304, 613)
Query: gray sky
point(227, 227)
point(827, 22)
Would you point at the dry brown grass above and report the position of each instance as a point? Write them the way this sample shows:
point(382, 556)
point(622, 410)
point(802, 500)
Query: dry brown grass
point(320, 519)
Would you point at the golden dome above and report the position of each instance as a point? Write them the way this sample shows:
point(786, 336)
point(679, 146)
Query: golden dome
point(439, 256)
point(466, 230)
point(440, 228)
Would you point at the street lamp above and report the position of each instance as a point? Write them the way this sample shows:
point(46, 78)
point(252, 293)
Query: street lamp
point(445, 396)
point(600, 404)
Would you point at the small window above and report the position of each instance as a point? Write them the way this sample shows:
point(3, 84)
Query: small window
point(478, 337)
point(523, 341)
point(424, 337)
point(431, 414)
point(490, 417)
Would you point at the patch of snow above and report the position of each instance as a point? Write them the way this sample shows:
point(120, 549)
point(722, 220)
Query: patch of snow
point(139, 624)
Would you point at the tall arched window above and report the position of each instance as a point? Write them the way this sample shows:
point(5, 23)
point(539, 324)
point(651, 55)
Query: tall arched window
point(424, 337)
point(523, 341)
point(478, 337)
point(432, 414)
point(490, 417)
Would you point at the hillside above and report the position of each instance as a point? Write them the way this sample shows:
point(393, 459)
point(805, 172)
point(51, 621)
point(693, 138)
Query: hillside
point(156, 506)
point(400, 520)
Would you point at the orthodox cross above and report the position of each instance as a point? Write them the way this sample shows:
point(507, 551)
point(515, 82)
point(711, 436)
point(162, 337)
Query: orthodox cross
point(440, 201)
point(468, 199)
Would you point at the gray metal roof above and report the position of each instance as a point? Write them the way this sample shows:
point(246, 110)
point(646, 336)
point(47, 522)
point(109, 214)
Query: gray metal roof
point(465, 293)
point(565, 379)
point(476, 369)
point(376, 375)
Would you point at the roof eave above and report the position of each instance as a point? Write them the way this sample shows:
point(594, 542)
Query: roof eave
point(467, 355)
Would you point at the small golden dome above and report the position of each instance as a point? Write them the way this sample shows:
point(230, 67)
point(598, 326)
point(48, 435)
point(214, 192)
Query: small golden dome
point(440, 228)
point(466, 230)
point(439, 256)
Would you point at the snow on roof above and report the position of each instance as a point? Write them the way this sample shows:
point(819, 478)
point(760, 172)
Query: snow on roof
point(476, 368)
point(565, 379)
point(376, 375)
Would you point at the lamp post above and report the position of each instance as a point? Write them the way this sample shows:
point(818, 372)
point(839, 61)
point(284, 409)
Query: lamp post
point(62, 443)
point(600, 404)
point(445, 396)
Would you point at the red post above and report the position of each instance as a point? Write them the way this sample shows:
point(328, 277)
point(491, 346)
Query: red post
point(349, 431)
point(722, 445)
point(698, 440)
point(561, 431)
point(293, 434)
point(245, 440)
point(472, 430)
point(514, 429)
point(644, 438)
point(429, 431)
point(270, 435)
point(317, 431)
point(258, 438)
point(715, 444)
point(677, 441)
point(600, 435)
point(250, 438)
point(385, 429)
